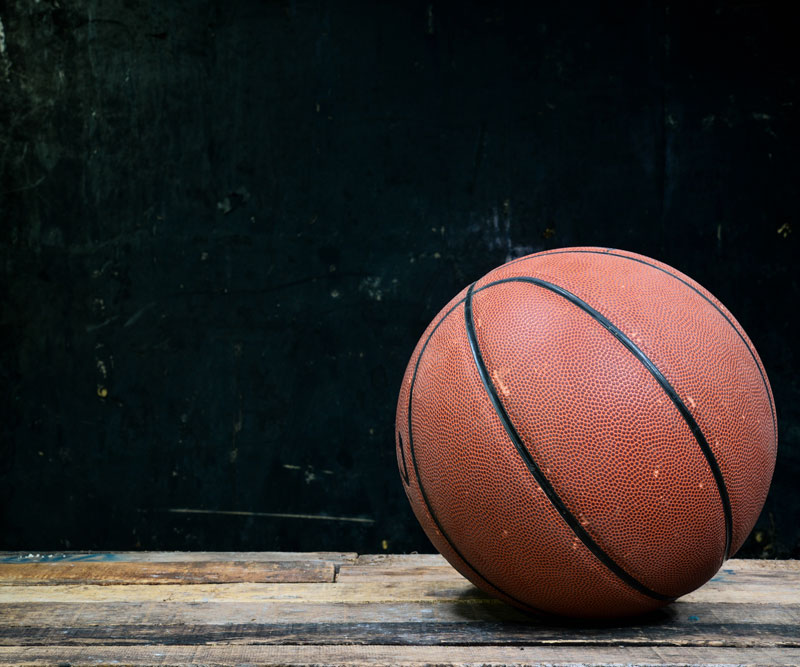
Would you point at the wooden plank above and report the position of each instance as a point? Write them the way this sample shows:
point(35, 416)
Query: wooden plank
point(175, 556)
point(766, 582)
point(247, 592)
point(149, 573)
point(429, 567)
point(429, 560)
point(380, 610)
point(764, 566)
point(401, 560)
point(682, 615)
point(394, 567)
point(772, 587)
point(393, 655)
point(413, 633)
point(359, 574)
point(406, 567)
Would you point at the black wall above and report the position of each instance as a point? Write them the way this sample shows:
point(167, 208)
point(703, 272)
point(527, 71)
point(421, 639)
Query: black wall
point(223, 226)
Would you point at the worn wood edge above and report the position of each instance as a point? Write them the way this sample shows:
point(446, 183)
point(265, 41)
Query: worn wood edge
point(393, 655)
point(174, 556)
point(155, 573)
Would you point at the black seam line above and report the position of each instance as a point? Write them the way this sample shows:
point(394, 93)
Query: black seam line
point(531, 464)
point(659, 377)
point(404, 471)
point(610, 251)
point(424, 495)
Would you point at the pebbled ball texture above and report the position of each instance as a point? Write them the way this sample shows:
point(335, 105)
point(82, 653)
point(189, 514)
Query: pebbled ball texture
point(586, 432)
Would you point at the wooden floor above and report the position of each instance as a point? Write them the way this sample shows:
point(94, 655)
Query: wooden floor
point(341, 608)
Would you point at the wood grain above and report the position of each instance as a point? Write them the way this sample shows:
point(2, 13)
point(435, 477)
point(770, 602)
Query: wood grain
point(339, 608)
point(302, 593)
point(409, 633)
point(680, 616)
point(743, 585)
point(394, 655)
point(150, 573)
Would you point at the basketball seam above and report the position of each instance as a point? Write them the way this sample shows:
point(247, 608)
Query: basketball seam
point(748, 345)
point(424, 495)
point(541, 479)
point(659, 377)
point(404, 471)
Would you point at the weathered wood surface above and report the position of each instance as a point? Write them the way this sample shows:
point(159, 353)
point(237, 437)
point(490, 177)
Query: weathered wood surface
point(340, 608)
point(379, 655)
point(191, 572)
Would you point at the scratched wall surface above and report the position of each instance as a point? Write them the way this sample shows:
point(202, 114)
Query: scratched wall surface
point(225, 224)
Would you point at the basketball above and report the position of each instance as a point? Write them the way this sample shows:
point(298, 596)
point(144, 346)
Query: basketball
point(586, 432)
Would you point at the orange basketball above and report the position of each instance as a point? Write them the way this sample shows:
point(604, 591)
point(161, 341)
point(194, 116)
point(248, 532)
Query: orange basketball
point(586, 432)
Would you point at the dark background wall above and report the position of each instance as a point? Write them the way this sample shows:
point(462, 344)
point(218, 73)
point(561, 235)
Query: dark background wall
point(223, 226)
